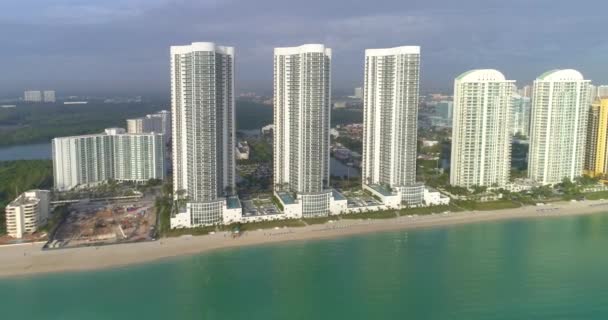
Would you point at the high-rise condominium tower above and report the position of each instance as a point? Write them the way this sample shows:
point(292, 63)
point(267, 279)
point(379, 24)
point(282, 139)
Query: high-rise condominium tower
point(481, 137)
point(113, 154)
point(596, 153)
point(560, 105)
point(202, 106)
point(302, 97)
point(520, 116)
point(390, 116)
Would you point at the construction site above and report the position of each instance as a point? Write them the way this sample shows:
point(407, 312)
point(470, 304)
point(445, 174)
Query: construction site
point(102, 223)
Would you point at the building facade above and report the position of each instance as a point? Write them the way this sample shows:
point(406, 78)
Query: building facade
point(601, 92)
point(202, 108)
point(32, 96)
point(358, 94)
point(28, 212)
point(302, 105)
point(390, 118)
point(481, 137)
point(520, 121)
point(558, 127)
point(91, 159)
point(49, 96)
point(596, 159)
point(159, 122)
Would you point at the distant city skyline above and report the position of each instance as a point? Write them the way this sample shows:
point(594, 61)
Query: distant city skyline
point(114, 47)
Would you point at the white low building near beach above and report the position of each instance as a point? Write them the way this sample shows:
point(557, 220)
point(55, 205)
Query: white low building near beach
point(27, 213)
point(433, 197)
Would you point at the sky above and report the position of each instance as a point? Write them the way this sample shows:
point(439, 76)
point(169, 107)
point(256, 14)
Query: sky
point(122, 46)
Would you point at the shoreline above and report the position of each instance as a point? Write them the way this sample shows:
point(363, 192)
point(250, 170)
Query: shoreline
point(29, 259)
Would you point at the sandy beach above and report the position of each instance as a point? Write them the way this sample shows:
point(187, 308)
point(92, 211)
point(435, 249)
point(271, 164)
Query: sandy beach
point(27, 259)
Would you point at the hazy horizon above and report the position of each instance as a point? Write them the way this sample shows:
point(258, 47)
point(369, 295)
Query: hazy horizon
point(122, 46)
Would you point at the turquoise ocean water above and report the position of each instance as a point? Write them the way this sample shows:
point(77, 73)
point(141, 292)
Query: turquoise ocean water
point(553, 268)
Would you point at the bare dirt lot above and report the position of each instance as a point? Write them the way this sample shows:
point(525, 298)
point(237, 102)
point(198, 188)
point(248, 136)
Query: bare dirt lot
point(99, 223)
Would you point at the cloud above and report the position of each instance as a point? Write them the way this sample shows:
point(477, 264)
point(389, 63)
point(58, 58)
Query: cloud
point(522, 38)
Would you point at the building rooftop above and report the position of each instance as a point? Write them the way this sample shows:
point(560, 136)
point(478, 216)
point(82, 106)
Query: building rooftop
point(23, 199)
point(110, 132)
point(481, 75)
point(306, 48)
point(561, 75)
point(393, 51)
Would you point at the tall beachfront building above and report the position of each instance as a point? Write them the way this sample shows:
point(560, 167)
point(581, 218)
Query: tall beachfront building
point(202, 108)
point(391, 93)
point(558, 127)
point(481, 137)
point(596, 153)
point(114, 154)
point(302, 105)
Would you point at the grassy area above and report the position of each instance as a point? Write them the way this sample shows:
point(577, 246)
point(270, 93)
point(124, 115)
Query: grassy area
point(270, 225)
point(163, 210)
point(429, 210)
point(261, 151)
point(320, 220)
point(163, 206)
point(597, 195)
point(277, 202)
point(243, 227)
point(351, 144)
point(200, 231)
point(489, 205)
point(388, 214)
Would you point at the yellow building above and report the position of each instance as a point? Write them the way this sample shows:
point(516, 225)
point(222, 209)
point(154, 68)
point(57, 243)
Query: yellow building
point(596, 159)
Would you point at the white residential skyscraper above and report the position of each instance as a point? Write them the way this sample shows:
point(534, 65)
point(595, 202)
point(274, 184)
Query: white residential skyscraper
point(302, 97)
point(481, 137)
point(560, 106)
point(202, 106)
point(114, 154)
point(390, 118)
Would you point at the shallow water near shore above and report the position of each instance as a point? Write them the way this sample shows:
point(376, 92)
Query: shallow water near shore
point(553, 268)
